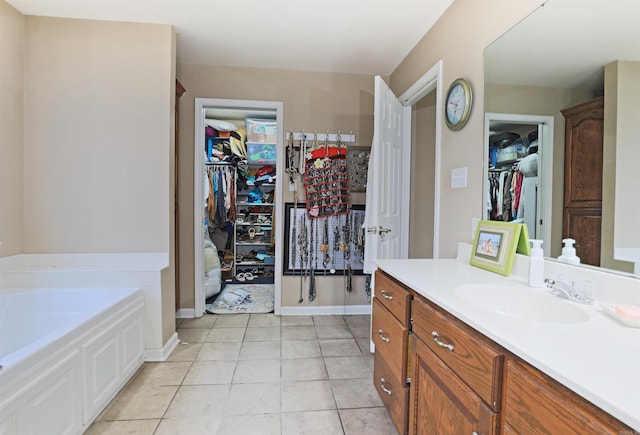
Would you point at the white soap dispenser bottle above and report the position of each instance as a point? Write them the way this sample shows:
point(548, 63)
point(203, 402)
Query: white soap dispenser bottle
point(536, 264)
point(569, 252)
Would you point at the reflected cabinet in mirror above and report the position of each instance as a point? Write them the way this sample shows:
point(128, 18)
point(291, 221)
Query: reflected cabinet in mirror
point(562, 129)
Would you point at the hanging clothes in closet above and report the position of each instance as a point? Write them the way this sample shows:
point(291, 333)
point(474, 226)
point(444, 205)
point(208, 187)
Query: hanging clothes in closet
point(505, 194)
point(220, 195)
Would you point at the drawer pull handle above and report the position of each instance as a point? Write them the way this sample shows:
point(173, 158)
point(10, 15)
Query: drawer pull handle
point(441, 343)
point(382, 337)
point(386, 295)
point(385, 389)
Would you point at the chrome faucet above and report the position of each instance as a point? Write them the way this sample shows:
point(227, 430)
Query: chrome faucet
point(580, 292)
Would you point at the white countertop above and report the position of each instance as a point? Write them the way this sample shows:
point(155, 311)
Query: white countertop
point(598, 359)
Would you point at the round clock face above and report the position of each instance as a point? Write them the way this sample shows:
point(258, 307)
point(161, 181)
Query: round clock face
point(458, 104)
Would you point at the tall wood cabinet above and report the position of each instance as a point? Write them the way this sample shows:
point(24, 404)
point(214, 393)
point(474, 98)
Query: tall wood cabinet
point(582, 212)
point(176, 173)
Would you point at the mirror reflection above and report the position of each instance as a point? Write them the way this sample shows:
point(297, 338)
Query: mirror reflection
point(562, 103)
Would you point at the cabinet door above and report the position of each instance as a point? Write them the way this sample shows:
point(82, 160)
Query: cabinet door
point(584, 131)
point(440, 403)
point(536, 404)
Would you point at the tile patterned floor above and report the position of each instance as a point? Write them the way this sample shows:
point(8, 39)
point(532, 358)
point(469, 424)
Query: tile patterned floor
point(256, 374)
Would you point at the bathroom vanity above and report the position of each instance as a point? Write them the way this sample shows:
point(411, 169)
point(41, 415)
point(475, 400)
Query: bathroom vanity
point(463, 350)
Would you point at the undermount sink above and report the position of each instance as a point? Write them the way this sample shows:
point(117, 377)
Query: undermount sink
point(521, 303)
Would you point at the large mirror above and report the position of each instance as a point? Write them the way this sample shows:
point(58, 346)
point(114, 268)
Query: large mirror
point(564, 55)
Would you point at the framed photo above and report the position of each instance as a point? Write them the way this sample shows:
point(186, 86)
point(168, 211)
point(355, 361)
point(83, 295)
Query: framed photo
point(495, 245)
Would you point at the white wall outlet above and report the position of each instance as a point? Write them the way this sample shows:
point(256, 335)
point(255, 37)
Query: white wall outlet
point(459, 178)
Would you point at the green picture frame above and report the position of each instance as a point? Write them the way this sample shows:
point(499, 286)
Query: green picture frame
point(495, 245)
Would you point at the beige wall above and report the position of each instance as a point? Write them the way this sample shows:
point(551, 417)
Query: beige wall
point(11, 129)
point(97, 136)
point(423, 120)
point(620, 200)
point(459, 39)
point(312, 101)
point(627, 157)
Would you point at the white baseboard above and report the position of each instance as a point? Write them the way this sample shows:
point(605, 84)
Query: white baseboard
point(185, 313)
point(159, 355)
point(345, 310)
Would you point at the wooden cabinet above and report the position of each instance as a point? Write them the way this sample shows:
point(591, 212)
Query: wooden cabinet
point(176, 175)
point(456, 375)
point(536, 404)
point(461, 382)
point(582, 217)
point(441, 403)
point(390, 335)
point(475, 359)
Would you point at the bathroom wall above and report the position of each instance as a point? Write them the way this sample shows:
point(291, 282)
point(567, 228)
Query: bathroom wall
point(459, 39)
point(11, 129)
point(97, 136)
point(312, 100)
point(621, 200)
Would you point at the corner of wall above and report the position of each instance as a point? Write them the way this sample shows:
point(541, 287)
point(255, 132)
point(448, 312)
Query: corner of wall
point(12, 43)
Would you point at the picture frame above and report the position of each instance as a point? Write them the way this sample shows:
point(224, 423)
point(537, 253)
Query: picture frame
point(495, 245)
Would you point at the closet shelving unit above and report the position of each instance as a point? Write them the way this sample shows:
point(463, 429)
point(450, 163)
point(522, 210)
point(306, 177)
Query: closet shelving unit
point(254, 233)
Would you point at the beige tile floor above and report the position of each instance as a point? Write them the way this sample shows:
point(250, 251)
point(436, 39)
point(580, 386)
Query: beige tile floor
point(256, 374)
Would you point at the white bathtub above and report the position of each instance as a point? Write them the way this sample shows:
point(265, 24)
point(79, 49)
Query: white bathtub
point(64, 354)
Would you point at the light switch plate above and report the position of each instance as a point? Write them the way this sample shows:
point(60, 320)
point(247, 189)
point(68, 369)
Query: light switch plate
point(459, 178)
point(474, 225)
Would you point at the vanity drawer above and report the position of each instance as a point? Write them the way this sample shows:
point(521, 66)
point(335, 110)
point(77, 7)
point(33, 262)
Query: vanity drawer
point(393, 295)
point(390, 338)
point(475, 359)
point(393, 392)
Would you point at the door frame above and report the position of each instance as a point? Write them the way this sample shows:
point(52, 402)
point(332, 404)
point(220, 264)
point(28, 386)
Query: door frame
point(545, 167)
point(431, 80)
point(198, 191)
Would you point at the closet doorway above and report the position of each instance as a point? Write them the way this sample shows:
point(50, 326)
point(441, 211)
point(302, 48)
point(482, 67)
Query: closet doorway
point(501, 157)
point(235, 112)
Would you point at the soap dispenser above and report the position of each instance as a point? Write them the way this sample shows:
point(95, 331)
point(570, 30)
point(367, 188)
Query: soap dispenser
point(569, 252)
point(536, 264)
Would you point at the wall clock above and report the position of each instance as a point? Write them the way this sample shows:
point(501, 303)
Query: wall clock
point(458, 104)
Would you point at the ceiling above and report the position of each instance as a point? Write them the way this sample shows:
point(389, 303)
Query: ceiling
point(351, 36)
point(566, 44)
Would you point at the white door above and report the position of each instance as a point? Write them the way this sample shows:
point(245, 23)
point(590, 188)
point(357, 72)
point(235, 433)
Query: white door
point(384, 181)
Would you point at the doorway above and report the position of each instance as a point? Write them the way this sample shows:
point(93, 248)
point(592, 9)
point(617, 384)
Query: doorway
point(423, 143)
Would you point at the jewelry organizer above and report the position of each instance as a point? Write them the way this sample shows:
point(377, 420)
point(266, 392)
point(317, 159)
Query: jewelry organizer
point(340, 235)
